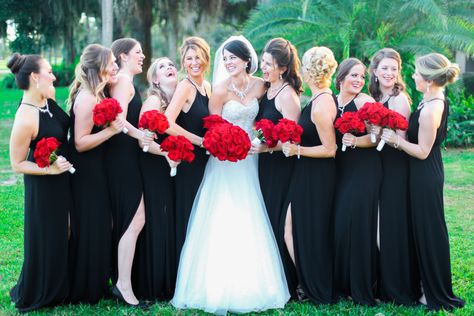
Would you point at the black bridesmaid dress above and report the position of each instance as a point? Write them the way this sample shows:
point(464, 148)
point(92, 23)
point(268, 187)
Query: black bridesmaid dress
point(154, 268)
point(124, 178)
point(189, 176)
point(429, 227)
point(311, 196)
point(398, 278)
point(274, 172)
point(359, 175)
point(91, 224)
point(44, 275)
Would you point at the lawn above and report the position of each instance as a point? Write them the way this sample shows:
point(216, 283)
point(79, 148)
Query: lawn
point(459, 201)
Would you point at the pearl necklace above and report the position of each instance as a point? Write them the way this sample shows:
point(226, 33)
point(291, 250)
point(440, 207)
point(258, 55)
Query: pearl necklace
point(240, 93)
point(44, 109)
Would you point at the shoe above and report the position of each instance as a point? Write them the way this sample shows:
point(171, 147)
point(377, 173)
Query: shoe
point(301, 294)
point(118, 295)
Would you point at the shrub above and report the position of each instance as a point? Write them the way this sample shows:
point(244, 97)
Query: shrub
point(64, 75)
point(8, 82)
point(460, 120)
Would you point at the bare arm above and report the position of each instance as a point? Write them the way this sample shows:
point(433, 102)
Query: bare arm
point(25, 128)
point(430, 120)
point(218, 98)
point(83, 124)
point(288, 103)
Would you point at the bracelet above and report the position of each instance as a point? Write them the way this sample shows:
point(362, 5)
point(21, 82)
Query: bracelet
point(398, 142)
point(355, 143)
point(298, 152)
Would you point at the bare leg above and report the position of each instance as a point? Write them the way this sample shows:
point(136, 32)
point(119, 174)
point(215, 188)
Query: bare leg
point(289, 234)
point(126, 252)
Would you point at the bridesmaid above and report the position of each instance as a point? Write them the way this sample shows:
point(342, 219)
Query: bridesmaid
point(359, 175)
point(280, 68)
point(44, 275)
point(314, 178)
point(427, 130)
point(154, 270)
point(398, 279)
point(185, 113)
point(90, 242)
point(123, 169)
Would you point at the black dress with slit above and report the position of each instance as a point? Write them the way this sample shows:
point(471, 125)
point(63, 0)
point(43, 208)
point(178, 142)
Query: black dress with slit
point(91, 223)
point(274, 172)
point(43, 279)
point(311, 196)
point(429, 227)
point(398, 279)
point(189, 175)
point(124, 178)
point(154, 268)
point(356, 199)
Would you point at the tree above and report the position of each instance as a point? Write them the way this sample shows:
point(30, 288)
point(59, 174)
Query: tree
point(107, 22)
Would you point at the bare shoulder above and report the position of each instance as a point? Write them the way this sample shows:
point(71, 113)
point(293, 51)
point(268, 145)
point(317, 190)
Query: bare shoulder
point(362, 98)
point(84, 98)
point(400, 103)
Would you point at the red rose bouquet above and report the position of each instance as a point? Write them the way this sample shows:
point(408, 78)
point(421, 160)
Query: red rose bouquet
point(153, 122)
point(349, 122)
point(46, 152)
point(373, 113)
point(287, 131)
point(106, 111)
point(178, 148)
point(227, 142)
point(393, 120)
point(212, 120)
point(264, 133)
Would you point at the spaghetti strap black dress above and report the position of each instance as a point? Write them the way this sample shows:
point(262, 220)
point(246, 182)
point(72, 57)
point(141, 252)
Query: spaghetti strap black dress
point(154, 268)
point(124, 178)
point(91, 224)
point(311, 197)
point(398, 279)
point(43, 279)
point(189, 176)
point(359, 175)
point(429, 227)
point(274, 172)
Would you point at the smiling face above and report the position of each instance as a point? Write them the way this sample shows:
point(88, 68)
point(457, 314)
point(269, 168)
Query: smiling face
point(134, 59)
point(354, 81)
point(45, 78)
point(387, 72)
point(111, 70)
point(270, 70)
point(165, 72)
point(233, 64)
point(193, 63)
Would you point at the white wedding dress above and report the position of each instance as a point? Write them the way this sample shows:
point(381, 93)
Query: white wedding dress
point(230, 260)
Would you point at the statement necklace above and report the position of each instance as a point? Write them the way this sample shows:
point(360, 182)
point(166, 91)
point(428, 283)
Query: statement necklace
point(240, 93)
point(44, 109)
point(340, 106)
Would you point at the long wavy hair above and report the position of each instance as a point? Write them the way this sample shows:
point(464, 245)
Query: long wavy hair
point(155, 88)
point(91, 72)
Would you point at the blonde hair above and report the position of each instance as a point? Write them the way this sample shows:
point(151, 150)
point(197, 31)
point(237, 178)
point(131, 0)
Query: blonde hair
point(320, 65)
point(91, 72)
point(399, 86)
point(437, 68)
point(202, 50)
point(154, 88)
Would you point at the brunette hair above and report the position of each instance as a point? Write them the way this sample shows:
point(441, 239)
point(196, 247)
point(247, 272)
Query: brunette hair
point(155, 89)
point(374, 87)
point(344, 69)
point(285, 55)
point(123, 46)
point(241, 50)
point(22, 66)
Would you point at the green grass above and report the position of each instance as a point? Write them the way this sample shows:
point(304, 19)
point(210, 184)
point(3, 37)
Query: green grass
point(459, 201)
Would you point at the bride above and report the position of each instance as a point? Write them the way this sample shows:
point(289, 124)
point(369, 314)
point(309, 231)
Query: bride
point(230, 259)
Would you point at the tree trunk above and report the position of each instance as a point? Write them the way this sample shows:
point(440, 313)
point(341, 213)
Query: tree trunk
point(141, 30)
point(107, 22)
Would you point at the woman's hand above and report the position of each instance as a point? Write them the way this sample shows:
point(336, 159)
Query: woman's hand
point(389, 136)
point(289, 149)
point(59, 166)
point(117, 125)
point(172, 163)
point(349, 140)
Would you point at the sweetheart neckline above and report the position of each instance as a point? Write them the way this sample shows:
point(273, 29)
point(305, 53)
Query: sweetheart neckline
point(249, 104)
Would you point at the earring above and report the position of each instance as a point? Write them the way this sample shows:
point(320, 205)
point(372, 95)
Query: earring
point(37, 84)
point(428, 89)
point(376, 79)
point(281, 77)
